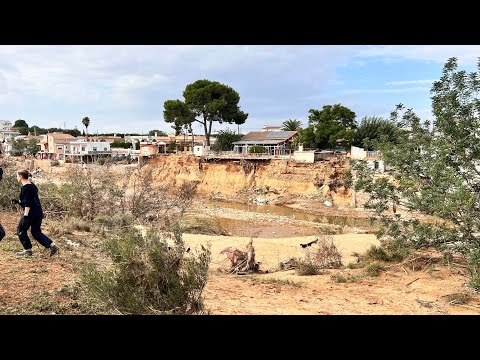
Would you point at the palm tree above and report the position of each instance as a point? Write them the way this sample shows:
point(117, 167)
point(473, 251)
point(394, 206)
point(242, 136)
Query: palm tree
point(291, 125)
point(86, 122)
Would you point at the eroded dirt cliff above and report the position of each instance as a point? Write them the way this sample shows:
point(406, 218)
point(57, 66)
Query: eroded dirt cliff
point(271, 180)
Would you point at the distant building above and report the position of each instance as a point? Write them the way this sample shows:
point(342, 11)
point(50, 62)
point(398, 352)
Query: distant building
point(55, 145)
point(7, 132)
point(372, 158)
point(276, 142)
point(148, 150)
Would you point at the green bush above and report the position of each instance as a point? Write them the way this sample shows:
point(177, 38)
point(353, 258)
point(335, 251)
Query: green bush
point(374, 269)
point(257, 149)
point(151, 275)
point(473, 259)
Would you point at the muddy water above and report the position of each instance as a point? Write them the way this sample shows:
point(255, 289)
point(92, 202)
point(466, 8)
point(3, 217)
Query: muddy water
point(295, 214)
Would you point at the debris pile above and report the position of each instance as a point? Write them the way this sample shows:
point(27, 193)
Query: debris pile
point(241, 261)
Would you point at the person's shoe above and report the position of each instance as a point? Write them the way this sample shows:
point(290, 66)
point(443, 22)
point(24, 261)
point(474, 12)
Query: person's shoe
point(25, 253)
point(53, 249)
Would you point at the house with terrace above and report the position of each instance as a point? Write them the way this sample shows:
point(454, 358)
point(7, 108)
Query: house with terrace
point(275, 142)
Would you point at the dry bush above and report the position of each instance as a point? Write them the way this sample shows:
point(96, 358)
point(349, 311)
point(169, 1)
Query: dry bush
point(150, 275)
point(339, 278)
point(149, 202)
point(9, 186)
point(326, 254)
point(457, 298)
point(321, 254)
point(307, 266)
point(94, 193)
point(84, 194)
point(68, 226)
point(116, 221)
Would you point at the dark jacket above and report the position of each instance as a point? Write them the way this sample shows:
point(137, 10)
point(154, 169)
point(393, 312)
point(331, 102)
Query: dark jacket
point(29, 198)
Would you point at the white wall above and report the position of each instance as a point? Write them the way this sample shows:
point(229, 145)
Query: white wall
point(358, 153)
point(304, 156)
point(200, 150)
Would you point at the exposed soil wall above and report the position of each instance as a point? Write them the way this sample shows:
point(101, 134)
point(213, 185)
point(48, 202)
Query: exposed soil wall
point(268, 179)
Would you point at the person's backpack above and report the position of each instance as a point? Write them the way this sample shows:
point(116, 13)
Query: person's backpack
point(2, 232)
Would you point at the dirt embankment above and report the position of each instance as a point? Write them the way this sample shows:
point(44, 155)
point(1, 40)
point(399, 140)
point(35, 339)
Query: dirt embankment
point(277, 181)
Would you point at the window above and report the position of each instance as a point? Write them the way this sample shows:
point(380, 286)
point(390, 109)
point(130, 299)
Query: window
point(83, 148)
point(104, 149)
point(94, 149)
point(59, 147)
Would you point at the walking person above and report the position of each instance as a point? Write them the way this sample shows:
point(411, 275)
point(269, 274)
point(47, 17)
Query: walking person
point(32, 216)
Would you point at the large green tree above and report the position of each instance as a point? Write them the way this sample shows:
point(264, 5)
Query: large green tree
point(205, 102)
point(20, 123)
point(21, 126)
point(373, 129)
point(435, 171)
point(225, 139)
point(329, 125)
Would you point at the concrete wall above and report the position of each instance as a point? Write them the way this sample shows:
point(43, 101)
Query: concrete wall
point(304, 157)
point(358, 153)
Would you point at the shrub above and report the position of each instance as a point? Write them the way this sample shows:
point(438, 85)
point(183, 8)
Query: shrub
point(473, 259)
point(9, 186)
point(374, 269)
point(324, 256)
point(151, 275)
point(257, 149)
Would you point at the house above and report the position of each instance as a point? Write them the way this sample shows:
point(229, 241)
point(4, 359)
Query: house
point(55, 145)
point(373, 158)
point(183, 141)
point(7, 132)
point(89, 150)
point(276, 142)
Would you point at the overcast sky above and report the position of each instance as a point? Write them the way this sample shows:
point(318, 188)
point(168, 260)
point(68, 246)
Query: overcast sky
point(123, 88)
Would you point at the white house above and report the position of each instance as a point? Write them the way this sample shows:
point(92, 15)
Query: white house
point(373, 158)
point(90, 148)
point(6, 131)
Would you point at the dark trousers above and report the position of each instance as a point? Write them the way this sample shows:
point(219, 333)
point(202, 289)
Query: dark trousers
point(35, 223)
